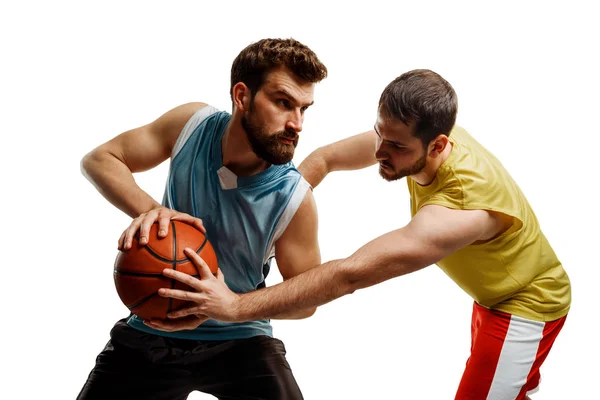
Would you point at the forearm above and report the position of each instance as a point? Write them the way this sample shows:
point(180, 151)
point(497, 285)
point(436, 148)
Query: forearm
point(115, 182)
point(355, 152)
point(393, 254)
point(310, 289)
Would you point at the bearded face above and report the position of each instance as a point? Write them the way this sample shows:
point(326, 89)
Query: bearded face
point(389, 173)
point(275, 148)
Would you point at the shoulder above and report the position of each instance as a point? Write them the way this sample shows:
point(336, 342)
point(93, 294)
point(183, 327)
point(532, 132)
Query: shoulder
point(180, 114)
point(173, 121)
point(192, 115)
point(302, 220)
point(195, 113)
point(301, 209)
point(308, 205)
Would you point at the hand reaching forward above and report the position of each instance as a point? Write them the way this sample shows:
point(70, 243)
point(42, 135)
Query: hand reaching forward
point(212, 296)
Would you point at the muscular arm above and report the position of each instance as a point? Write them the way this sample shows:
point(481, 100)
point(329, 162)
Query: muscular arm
point(434, 233)
point(110, 166)
point(355, 152)
point(297, 250)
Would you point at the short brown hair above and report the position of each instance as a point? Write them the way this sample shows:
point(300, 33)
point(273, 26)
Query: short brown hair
point(423, 97)
point(253, 63)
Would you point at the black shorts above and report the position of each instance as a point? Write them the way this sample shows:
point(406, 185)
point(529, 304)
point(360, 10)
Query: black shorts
point(138, 365)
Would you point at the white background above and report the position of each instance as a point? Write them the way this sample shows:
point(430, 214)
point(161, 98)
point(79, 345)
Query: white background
point(74, 75)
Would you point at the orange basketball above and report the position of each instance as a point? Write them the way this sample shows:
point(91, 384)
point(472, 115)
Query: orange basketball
point(138, 271)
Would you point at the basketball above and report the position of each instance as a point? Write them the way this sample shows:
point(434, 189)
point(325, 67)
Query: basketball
point(138, 271)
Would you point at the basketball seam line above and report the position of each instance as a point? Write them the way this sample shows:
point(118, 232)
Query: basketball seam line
point(171, 262)
point(174, 265)
point(174, 262)
point(142, 301)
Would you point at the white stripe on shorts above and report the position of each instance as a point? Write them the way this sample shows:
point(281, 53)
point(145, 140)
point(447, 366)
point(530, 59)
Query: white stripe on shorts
point(517, 356)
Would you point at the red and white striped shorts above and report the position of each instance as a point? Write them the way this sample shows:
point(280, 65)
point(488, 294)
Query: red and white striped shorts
point(506, 354)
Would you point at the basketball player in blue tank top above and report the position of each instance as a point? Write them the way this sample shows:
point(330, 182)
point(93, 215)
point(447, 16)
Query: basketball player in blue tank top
point(231, 176)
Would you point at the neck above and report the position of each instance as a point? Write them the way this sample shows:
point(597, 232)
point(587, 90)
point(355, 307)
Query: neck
point(237, 153)
point(427, 175)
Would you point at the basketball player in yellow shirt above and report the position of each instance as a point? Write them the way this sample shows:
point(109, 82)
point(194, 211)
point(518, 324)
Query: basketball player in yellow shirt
point(468, 216)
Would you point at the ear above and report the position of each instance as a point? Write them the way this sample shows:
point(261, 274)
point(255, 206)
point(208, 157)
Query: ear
point(241, 96)
point(437, 146)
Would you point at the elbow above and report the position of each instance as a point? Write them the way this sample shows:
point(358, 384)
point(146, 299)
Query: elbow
point(300, 314)
point(351, 286)
point(93, 162)
point(85, 162)
point(349, 278)
point(324, 159)
point(304, 313)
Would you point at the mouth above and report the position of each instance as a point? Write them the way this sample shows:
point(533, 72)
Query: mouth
point(287, 141)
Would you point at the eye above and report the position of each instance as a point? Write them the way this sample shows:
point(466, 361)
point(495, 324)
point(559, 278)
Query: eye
point(400, 148)
point(284, 103)
point(303, 109)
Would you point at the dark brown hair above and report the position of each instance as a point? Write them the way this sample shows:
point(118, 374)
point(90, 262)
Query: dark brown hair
point(424, 98)
point(253, 63)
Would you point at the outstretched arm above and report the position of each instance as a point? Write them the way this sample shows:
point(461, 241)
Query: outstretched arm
point(434, 233)
point(355, 152)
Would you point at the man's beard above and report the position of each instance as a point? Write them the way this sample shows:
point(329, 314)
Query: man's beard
point(389, 174)
point(268, 146)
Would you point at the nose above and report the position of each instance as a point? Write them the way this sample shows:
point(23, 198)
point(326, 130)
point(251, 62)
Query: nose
point(294, 122)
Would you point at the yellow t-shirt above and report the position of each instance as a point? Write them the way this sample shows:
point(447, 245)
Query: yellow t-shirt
point(516, 272)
